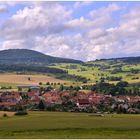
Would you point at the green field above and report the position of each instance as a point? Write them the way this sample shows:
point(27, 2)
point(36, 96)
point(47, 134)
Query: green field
point(95, 73)
point(69, 125)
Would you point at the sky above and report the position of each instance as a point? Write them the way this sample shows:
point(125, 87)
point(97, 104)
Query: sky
point(83, 30)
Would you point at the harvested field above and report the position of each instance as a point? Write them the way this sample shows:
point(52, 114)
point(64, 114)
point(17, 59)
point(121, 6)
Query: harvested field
point(23, 79)
point(9, 114)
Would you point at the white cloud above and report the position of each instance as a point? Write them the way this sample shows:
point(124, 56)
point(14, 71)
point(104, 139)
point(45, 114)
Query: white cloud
point(52, 29)
point(105, 10)
point(35, 20)
point(3, 8)
point(82, 3)
point(88, 24)
point(13, 44)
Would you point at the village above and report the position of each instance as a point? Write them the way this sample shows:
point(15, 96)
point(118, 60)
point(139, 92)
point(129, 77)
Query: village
point(67, 101)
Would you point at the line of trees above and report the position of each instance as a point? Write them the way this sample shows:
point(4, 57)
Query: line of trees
point(73, 77)
point(30, 68)
point(121, 88)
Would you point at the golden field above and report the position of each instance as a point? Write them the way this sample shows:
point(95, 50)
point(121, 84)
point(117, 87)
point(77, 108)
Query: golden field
point(23, 79)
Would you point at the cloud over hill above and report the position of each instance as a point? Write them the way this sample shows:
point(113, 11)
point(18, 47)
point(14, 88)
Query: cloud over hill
point(103, 30)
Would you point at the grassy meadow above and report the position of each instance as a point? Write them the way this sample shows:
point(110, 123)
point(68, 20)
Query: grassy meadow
point(95, 73)
point(69, 125)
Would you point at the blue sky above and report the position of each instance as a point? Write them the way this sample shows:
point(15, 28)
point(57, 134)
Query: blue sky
point(84, 30)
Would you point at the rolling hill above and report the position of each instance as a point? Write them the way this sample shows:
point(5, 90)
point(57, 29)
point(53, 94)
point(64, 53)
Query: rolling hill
point(112, 70)
point(30, 57)
point(131, 60)
point(24, 61)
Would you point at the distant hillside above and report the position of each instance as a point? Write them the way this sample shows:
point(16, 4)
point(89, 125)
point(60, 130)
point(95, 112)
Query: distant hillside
point(129, 59)
point(122, 59)
point(30, 57)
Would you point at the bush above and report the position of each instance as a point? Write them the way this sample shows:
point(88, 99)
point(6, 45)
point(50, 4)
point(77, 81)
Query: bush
point(5, 115)
point(18, 113)
point(48, 83)
point(113, 78)
point(40, 83)
point(117, 70)
point(122, 84)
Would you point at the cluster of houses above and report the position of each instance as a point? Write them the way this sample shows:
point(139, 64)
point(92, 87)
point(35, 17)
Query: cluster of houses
point(82, 100)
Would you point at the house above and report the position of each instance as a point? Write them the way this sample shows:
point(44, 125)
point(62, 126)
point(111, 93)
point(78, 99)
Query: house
point(133, 111)
point(35, 99)
point(108, 99)
point(65, 94)
point(82, 95)
point(133, 99)
point(82, 103)
point(95, 99)
point(7, 105)
point(8, 100)
point(32, 93)
point(123, 106)
point(11, 97)
point(121, 99)
point(52, 97)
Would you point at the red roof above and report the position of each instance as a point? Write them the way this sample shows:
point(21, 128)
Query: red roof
point(65, 93)
point(7, 103)
point(83, 101)
point(11, 95)
point(32, 93)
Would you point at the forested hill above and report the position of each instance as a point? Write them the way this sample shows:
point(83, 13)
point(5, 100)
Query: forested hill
point(28, 57)
point(128, 60)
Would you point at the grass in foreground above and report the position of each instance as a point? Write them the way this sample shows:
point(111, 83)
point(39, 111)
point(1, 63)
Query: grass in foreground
point(73, 133)
point(69, 125)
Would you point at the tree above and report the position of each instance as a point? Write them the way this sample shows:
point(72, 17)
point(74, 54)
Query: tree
point(122, 84)
point(29, 79)
point(102, 79)
point(77, 88)
point(48, 83)
point(49, 88)
point(19, 89)
point(84, 81)
point(61, 88)
point(40, 83)
point(138, 104)
point(41, 105)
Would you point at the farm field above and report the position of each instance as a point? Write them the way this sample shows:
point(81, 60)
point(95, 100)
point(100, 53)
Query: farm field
point(70, 125)
point(10, 79)
point(94, 73)
point(10, 114)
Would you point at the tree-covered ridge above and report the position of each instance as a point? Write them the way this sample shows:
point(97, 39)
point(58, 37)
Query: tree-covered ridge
point(25, 56)
point(128, 60)
point(56, 72)
point(30, 68)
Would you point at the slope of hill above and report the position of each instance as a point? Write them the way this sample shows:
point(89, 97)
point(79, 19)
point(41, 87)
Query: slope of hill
point(133, 60)
point(111, 70)
point(25, 56)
